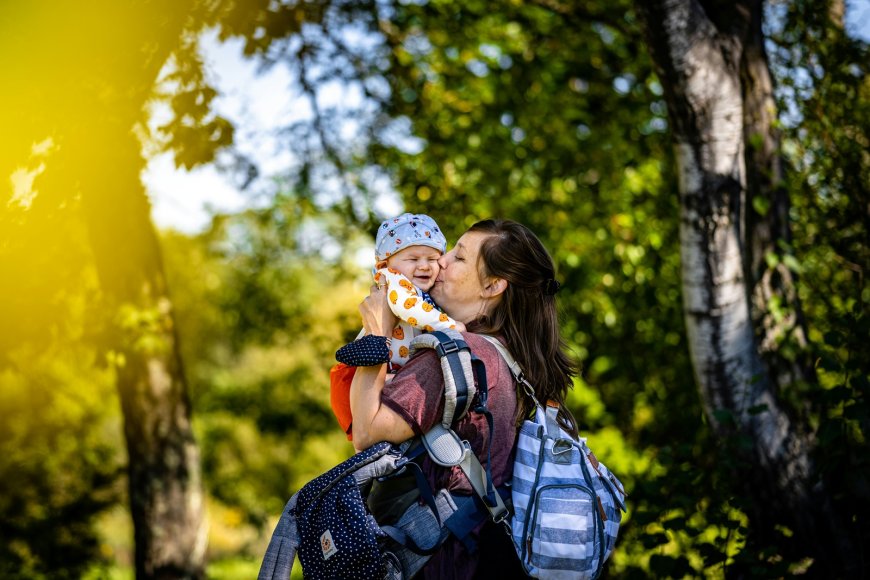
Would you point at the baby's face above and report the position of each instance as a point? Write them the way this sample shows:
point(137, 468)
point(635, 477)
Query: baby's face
point(418, 263)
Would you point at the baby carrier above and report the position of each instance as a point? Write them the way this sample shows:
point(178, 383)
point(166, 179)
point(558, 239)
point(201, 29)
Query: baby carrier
point(330, 525)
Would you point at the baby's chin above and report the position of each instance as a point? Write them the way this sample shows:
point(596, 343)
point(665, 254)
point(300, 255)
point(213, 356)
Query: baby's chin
point(424, 284)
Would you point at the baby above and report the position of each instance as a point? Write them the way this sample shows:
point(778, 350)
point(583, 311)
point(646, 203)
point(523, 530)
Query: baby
point(407, 249)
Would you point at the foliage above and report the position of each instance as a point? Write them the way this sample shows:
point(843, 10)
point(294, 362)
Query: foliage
point(261, 313)
point(59, 464)
point(59, 421)
point(827, 138)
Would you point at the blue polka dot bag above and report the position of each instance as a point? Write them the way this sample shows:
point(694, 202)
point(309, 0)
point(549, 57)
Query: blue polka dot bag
point(338, 536)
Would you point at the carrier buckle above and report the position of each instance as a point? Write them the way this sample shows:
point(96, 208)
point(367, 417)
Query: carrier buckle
point(447, 347)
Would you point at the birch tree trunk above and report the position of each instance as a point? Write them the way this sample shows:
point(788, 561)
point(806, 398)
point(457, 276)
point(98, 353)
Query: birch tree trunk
point(711, 61)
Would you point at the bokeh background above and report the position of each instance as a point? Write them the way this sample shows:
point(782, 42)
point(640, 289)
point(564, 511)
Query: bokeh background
point(172, 380)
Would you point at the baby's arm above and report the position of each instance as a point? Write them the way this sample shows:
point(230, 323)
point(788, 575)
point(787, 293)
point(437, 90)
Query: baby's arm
point(407, 303)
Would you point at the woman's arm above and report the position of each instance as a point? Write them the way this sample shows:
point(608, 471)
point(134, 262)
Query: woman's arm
point(372, 421)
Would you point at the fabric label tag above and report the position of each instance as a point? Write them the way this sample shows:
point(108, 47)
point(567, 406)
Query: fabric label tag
point(327, 545)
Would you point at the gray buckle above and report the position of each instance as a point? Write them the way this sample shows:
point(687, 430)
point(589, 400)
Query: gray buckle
point(444, 446)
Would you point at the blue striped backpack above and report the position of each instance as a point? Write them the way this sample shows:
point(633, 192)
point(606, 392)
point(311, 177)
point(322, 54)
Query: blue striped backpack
point(567, 504)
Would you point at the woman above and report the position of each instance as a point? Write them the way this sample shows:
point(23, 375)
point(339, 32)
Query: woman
point(499, 280)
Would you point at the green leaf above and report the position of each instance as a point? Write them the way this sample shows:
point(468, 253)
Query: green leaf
point(761, 205)
point(678, 523)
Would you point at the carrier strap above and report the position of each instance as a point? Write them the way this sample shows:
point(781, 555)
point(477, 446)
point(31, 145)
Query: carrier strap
point(403, 539)
point(447, 449)
point(490, 498)
point(464, 376)
point(422, 485)
point(469, 514)
point(481, 483)
point(455, 358)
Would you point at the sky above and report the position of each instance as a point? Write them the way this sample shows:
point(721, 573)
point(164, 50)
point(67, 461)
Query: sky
point(258, 103)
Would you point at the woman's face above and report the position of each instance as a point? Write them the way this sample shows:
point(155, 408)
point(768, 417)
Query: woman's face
point(458, 288)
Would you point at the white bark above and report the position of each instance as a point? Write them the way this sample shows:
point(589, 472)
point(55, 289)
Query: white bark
point(727, 365)
point(702, 70)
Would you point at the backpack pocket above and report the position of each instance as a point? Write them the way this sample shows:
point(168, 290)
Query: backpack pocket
point(564, 530)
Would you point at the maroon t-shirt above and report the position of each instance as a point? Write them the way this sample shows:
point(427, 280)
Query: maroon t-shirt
point(416, 393)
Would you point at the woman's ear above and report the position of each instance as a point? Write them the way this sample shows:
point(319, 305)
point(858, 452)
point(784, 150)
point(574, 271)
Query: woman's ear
point(495, 287)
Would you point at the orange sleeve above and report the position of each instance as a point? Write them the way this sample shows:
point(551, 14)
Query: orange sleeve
point(340, 377)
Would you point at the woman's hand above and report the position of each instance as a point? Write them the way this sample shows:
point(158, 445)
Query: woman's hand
point(377, 318)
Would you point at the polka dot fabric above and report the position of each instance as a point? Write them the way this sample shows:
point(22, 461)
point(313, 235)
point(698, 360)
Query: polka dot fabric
point(338, 538)
point(366, 351)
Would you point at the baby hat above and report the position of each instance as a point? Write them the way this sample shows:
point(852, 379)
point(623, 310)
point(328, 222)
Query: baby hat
point(409, 229)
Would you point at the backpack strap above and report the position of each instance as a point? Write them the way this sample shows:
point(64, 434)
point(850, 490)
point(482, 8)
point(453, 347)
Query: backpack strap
point(551, 411)
point(513, 365)
point(515, 368)
point(456, 365)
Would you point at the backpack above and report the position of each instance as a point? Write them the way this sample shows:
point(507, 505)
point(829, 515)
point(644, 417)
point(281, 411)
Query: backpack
point(329, 523)
point(567, 504)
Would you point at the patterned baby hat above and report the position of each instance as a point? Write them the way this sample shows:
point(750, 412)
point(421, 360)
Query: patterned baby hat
point(408, 229)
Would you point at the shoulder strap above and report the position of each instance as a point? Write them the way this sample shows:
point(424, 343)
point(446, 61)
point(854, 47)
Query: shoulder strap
point(447, 449)
point(515, 368)
point(546, 416)
point(457, 366)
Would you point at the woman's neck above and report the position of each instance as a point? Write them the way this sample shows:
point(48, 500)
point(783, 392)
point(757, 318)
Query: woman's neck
point(480, 325)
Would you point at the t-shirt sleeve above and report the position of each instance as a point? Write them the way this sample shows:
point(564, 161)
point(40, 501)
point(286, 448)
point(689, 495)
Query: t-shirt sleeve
point(406, 301)
point(416, 392)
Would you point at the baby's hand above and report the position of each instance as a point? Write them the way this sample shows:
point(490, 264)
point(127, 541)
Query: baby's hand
point(460, 326)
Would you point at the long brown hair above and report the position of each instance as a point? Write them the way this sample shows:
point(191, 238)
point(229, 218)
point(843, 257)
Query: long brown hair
point(526, 316)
